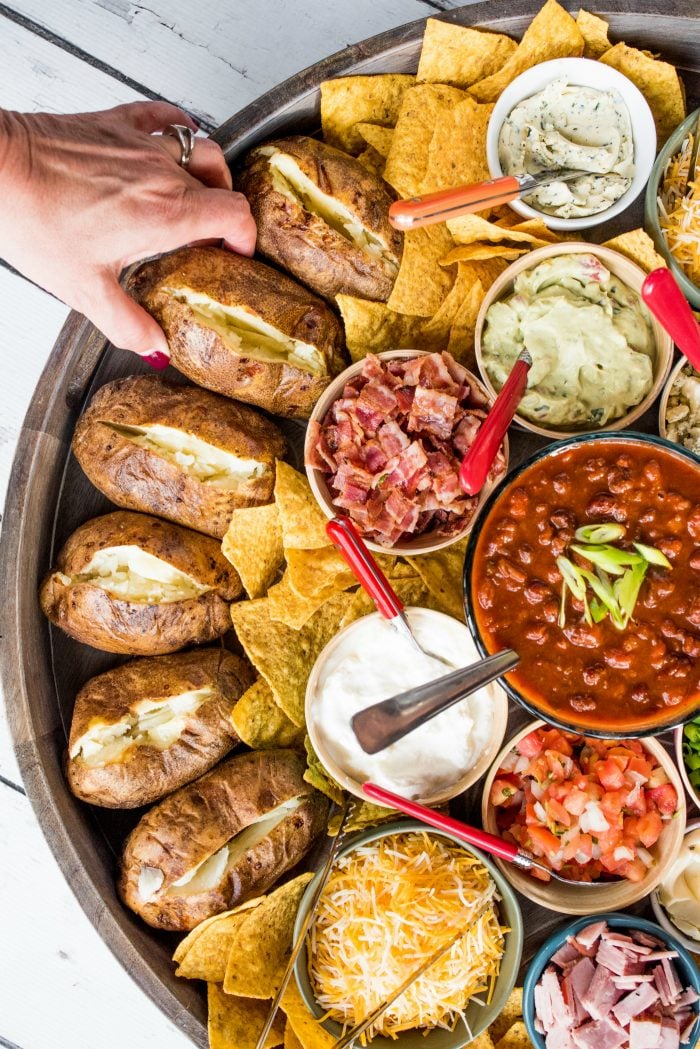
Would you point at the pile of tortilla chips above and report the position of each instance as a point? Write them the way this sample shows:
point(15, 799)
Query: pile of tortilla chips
point(428, 132)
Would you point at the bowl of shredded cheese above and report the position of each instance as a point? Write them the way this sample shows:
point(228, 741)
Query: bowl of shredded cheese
point(396, 894)
point(672, 209)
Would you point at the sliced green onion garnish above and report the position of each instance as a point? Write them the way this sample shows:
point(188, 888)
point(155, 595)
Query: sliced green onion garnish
point(586, 610)
point(609, 558)
point(562, 607)
point(601, 533)
point(605, 594)
point(652, 555)
point(598, 610)
point(572, 577)
point(627, 589)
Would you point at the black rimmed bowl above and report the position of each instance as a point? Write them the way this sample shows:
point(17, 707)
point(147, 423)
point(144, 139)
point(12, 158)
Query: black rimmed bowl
point(593, 724)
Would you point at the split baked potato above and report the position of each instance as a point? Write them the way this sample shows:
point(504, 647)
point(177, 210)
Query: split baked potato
point(242, 329)
point(322, 216)
point(221, 840)
point(177, 451)
point(134, 584)
point(147, 727)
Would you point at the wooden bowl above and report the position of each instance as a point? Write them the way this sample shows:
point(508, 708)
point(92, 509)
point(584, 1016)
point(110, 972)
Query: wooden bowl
point(422, 544)
point(627, 271)
point(613, 895)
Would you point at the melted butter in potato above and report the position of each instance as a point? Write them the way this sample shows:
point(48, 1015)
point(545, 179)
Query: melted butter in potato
point(132, 574)
point(150, 723)
point(204, 461)
point(248, 334)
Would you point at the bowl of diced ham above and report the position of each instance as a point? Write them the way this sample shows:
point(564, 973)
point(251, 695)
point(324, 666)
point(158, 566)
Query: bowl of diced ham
point(607, 811)
point(385, 443)
point(612, 982)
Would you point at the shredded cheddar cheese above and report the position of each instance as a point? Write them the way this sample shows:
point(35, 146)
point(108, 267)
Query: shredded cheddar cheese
point(385, 910)
point(679, 211)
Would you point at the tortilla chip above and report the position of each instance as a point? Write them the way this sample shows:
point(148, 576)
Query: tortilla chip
point(371, 327)
point(509, 1014)
point(477, 252)
point(411, 591)
point(260, 722)
point(553, 33)
point(422, 284)
point(457, 150)
point(658, 81)
point(253, 545)
point(363, 814)
point(262, 942)
point(317, 775)
point(441, 572)
point(318, 573)
point(285, 657)
point(473, 229)
point(423, 108)
point(287, 606)
point(307, 1029)
point(482, 1041)
point(187, 945)
point(594, 31)
point(516, 1037)
point(461, 344)
point(236, 1023)
point(638, 246)
point(290, 1039)
point(378, 137)
point(303, 522)
point(372, 160)
point(461, 56)
point(206, 957)
point(347, 101)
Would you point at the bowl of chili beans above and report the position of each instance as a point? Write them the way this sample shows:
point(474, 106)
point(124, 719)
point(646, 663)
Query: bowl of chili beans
point(586, 561)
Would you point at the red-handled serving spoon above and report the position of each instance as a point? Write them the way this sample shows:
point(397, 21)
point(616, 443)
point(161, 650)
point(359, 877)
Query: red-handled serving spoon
point(670, 307)
point(490, 843)
point(479, 459)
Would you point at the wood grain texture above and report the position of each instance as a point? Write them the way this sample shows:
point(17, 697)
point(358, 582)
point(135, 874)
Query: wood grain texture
point(84, 842)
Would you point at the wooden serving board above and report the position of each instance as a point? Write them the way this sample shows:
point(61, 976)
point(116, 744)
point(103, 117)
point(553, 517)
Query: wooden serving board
point(48, 497)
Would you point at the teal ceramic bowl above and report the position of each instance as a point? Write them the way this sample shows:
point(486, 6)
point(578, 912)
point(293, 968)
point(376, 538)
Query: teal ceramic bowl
point(651, 211)
point(478, 1017)
point(688, 972)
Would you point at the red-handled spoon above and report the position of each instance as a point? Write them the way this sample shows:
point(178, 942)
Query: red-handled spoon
point(670, 307)
point(479, 459)
point(490, 843)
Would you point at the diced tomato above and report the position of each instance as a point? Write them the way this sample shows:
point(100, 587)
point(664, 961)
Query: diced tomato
point(531, 745)
point(543, 841)
point(633, 870)
point(594, 791)
point(581, 846)
point(556, 811)
point(640, 765)
point(636, 801)
point(612, 803)
point(649, 828)
point(576, 801)
point(621, 760)
point(560, 765)
point(538, 769)
point(664, 798)
point(530, 817)
point(658, 777)
point(553, 739)
point(504, 791)
point(610, 774)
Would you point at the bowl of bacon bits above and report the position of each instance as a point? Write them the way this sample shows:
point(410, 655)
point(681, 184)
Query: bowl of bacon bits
point(614, 982)
point(385, 443)
point(606, 811)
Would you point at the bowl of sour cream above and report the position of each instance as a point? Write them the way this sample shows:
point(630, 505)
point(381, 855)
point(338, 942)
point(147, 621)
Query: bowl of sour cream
point(369, 661)
point(573, 113)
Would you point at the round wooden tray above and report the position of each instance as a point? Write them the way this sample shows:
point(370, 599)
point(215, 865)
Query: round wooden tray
point(48, 497)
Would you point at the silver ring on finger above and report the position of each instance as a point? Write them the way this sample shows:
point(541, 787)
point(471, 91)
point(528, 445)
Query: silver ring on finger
point(185, 136)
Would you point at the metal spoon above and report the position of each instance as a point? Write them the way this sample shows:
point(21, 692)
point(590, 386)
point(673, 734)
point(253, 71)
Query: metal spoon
point(490, 843)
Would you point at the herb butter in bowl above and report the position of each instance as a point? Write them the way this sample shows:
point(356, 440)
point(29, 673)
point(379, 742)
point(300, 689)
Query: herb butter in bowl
point(576, 115)
point(599, 358)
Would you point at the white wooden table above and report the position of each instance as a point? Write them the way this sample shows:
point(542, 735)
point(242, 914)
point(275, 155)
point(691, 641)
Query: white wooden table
point(59, 985)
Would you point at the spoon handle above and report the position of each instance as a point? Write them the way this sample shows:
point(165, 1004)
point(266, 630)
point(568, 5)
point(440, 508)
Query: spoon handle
point(670, 307)
point(473, 835)
point(478, 460)
point(378, 726)
point(449, 203)
point(343, 534)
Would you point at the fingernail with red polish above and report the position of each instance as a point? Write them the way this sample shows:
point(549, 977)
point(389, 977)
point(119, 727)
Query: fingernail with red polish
point(157, 360)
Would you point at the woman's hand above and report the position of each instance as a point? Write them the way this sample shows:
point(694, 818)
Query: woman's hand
point(83, 196)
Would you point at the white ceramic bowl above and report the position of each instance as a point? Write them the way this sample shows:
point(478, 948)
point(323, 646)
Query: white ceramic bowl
point(661, 915)
point(666, 393)
point(680, 762)
point(495, 692)
point(426, 543)
point(614, 895)
point(587, 73)
point(621, 267)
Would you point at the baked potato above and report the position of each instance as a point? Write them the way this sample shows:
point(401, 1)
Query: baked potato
point(221, 840)
point(134, 584)
point(149, 726)
point(322, 216)
point(242, 329)
point(177, 451)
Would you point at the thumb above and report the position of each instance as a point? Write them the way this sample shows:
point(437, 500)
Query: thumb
point(126, 324)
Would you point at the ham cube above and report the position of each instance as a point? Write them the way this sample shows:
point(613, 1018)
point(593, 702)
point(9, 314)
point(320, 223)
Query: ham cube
point(560, 1038)
point(689, 997)
point(566, 953)
point(674, 984)
point(645, 1034)
point(601, 994)
point(670, 1036)
point(635, 1004)
point(600, 1034)
point(618, 959)
point(589, 936)
point(553, 1001)
point(575, 984)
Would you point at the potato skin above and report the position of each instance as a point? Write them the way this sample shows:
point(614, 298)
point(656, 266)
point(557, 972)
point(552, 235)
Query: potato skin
point(91, 615)
point(148, 773)
point(199, 819)
point(139, 479)
point(302, 242)
point(198, 352)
